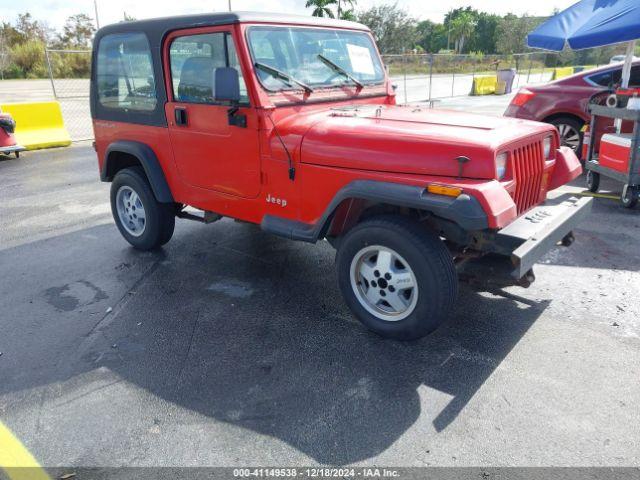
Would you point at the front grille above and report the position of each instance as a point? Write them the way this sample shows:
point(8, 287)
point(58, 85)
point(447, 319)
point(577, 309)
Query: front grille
point(527, 163)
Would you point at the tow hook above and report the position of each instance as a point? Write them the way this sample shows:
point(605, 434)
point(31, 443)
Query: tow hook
point(568, 240)
point(527, 280)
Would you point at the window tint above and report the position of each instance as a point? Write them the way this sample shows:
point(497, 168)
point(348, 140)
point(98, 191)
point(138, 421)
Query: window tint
point(124, 73)
point(194, 59)
point(613, 78)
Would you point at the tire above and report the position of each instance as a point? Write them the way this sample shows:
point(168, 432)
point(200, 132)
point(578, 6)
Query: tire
point(569, 128)
point(593, 181)
point(421, 259)
point(629, 196)
point(130, 186)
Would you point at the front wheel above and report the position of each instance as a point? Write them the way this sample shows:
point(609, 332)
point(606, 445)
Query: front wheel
point(397, 277)
point(143, 221)
point(570, 132)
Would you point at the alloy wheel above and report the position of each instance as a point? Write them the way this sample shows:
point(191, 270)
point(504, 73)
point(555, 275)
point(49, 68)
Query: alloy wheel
point(569, 136)
point(131, 211)
point(384, 283)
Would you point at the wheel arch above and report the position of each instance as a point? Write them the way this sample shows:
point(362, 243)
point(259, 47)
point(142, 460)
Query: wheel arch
point(361, 196)
point(127, 153)
point(557, 115)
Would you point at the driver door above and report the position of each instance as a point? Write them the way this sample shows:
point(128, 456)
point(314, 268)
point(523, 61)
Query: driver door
point(209, 151)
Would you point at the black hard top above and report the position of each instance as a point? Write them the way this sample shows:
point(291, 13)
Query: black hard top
point(160, 26)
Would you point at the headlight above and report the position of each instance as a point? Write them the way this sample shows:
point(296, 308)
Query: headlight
point(501, 165)
point(546, 147)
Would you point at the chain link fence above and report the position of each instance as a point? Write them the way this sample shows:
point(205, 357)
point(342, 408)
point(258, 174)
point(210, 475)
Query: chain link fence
point(426, 77)
point(69, 72)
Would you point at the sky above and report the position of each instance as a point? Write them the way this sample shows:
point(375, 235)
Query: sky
point(54, 12)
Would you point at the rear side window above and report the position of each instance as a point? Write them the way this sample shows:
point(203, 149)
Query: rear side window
point(613, 78)
point(124, 73)
point(194, 59)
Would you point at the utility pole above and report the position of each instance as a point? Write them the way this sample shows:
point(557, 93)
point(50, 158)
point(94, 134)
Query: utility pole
point(95, 6)
point(339, 16)
point(229, 5)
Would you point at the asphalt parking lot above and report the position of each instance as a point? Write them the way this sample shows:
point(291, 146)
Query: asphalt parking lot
point(231, 347)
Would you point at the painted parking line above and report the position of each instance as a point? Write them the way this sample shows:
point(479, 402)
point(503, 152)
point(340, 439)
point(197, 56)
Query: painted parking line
point(587, 193)
point(16, 460)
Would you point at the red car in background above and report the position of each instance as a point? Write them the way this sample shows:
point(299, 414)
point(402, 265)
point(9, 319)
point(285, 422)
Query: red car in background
point(563, 102)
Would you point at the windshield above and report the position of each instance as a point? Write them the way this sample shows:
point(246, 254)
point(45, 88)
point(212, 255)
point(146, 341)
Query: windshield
point(302, 54)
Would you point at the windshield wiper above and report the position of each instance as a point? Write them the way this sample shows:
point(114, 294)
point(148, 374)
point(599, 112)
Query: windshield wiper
point(340, 70)
point(275, 73)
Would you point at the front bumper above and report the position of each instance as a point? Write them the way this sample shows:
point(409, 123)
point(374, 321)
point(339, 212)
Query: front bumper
point(506, 257)
point(532, 235)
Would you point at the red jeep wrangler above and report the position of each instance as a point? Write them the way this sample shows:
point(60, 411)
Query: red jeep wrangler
point(291, 123)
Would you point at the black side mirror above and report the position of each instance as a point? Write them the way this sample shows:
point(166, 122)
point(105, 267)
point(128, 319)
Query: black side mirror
point(226, 85)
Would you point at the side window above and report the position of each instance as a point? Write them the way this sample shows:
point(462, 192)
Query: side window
point(194, 59)
point(634, 79)
point(613, 78)
point(124, 73)
point(607, 79)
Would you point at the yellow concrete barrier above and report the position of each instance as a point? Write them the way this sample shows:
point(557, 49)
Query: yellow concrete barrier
point(583, 68)
point(561, 72)
point(38, 125)
point(484, 85)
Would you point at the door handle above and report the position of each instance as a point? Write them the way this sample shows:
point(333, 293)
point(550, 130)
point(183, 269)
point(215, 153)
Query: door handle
point(181, 116)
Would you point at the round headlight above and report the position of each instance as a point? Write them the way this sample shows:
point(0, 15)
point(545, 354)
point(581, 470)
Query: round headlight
point(501, 165)
point(546, 147)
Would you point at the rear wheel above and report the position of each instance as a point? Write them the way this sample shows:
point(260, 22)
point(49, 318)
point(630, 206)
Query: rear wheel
point(593, 181)
point(629, 197)
point(397, 277)
point(143, 221)
point(569, 130)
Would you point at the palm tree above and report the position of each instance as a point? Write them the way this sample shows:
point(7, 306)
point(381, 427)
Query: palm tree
point(462, 27)
point(346, 14)
point(321, 8)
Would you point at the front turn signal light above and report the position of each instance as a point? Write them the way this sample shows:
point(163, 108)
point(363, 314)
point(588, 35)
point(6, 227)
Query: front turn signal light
point(444, 190)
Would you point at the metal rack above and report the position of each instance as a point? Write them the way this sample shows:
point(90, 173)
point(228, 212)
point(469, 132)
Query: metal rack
point(631, 178)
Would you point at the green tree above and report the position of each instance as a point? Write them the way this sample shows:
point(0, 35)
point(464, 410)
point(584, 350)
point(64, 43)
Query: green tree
point(30, 29)
point(321, 8)
point(431, 36)
point(512, 31)
point(77, 32)
point(349, 15)
point(10, 35)
point(462, 27)
point(346, 9)
point(484, 35)
point(28, 57)
point(393, 28)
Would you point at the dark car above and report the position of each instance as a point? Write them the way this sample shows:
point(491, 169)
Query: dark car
point(563, 103)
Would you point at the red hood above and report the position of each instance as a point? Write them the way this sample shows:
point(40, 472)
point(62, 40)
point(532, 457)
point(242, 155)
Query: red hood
point(403, 139)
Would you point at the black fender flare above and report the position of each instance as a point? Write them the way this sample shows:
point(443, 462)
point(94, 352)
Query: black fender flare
point(149, 161)
point(463, 210)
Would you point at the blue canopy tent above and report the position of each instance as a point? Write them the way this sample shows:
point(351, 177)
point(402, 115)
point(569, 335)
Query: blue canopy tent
point(592, 23)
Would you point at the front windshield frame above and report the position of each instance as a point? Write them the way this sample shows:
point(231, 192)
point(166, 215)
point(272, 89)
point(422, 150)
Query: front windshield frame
point(378, 65)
